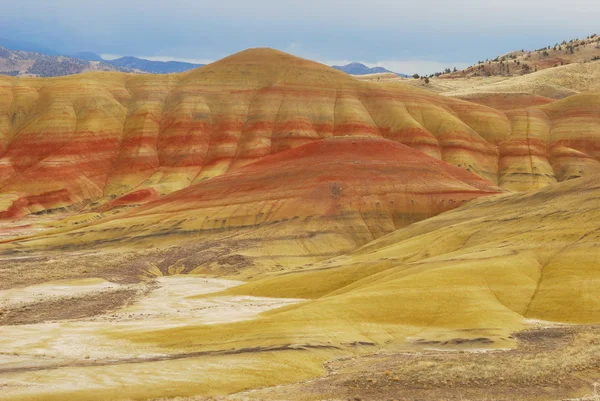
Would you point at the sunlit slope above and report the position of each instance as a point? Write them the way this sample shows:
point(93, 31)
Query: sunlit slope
point(316, 200)
point(494, 261)
point(552, 83)
point(477, 271)
point(556, 83)
point(512, 92)
point(508, 101)
point(92, 138)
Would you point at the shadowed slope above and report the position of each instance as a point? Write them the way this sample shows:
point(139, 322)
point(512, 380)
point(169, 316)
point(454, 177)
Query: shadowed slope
point(319, 199)
point(88, 139)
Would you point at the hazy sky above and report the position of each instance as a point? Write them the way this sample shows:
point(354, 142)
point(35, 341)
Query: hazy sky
point(417, 36)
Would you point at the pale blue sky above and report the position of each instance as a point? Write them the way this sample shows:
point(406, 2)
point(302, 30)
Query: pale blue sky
point(419, 36)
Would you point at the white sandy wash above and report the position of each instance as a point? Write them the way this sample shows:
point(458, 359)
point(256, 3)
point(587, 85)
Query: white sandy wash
point(171, 304)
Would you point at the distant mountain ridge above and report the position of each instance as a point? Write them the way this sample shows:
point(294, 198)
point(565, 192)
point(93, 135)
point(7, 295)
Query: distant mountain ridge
point(155, 67)
point(17, 63)
point(361, 69)
point(140, 64)
point(20, 62)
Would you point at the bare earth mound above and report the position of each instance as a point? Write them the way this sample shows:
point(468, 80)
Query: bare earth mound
point(314, 201)
point(86, 140)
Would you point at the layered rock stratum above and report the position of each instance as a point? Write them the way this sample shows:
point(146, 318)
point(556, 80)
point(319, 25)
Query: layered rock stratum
point(314, 201)
point(75, 140)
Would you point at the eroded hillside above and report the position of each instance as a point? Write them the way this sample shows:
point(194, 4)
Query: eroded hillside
point(466, 279)
point(95, 137)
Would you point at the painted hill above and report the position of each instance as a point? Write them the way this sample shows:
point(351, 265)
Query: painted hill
point(112, 135)
point(475, 274)
point(334, 195)
point(385, 221)
point(515, 267)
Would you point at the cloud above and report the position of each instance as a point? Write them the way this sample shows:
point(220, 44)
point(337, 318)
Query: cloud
point(294, 47)
point(353, 13)
point(419, 34)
